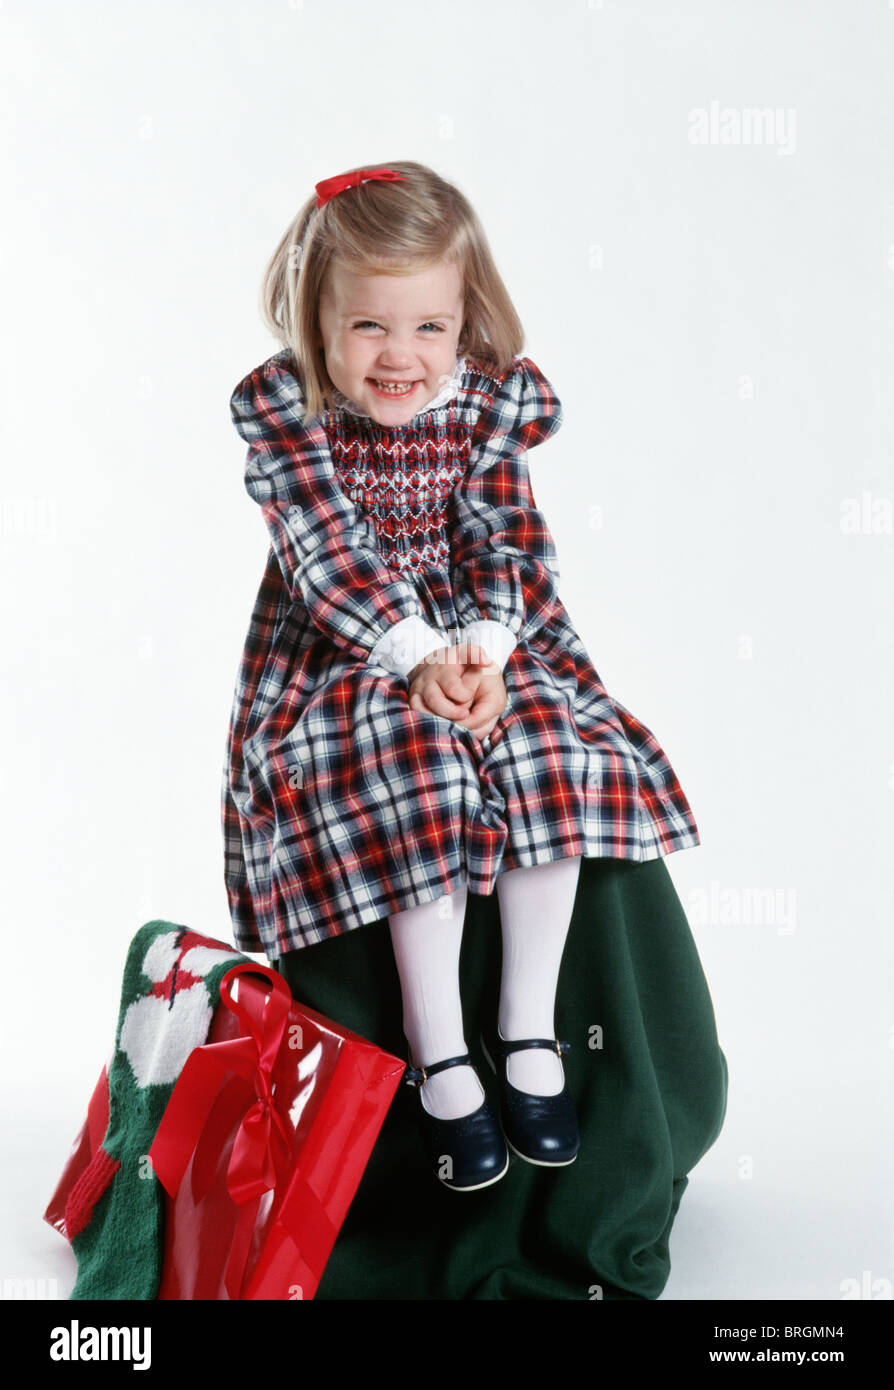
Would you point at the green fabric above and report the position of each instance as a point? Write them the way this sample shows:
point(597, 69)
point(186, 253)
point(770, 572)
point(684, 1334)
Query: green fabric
point(651, 1101)
point(119, 1252)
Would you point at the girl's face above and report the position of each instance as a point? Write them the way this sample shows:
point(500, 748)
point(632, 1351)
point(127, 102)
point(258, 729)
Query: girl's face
point(376, 329)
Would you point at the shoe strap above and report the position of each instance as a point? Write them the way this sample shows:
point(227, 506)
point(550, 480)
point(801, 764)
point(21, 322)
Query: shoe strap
point(417, 1076)
point(554, 1044)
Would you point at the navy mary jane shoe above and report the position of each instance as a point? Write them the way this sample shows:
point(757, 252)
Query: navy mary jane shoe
point(540, 1129)
point(466, 1153)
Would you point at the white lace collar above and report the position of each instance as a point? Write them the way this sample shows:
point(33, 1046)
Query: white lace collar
point(446, 393)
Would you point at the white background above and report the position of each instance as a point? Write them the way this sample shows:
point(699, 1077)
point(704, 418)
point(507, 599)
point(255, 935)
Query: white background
point(717, 321)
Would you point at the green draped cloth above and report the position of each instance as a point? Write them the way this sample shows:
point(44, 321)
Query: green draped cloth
point(646, 1071)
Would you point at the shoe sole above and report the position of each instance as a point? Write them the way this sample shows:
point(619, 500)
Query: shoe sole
point(476, 1187)
point(541, 1162)
point(538, 1162)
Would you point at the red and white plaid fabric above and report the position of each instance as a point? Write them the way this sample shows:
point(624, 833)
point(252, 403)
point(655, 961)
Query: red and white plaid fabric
point(339, 803)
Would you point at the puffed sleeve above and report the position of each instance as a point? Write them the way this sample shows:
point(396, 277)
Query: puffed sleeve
point(504, 565)
point(327, 552)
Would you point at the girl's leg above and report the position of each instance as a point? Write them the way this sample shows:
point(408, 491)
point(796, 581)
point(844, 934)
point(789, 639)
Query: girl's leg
point(536, 904)
point(426, 942)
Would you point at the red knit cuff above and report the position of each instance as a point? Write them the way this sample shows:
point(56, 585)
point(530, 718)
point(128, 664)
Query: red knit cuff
point(87, 1191)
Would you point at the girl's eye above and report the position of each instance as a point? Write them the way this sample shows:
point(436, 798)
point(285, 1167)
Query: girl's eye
point(370, 323)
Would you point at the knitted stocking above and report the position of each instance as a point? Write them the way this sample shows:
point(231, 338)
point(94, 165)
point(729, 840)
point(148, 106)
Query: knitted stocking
point(536, 904)
point(114, 1213)
point(426, 942)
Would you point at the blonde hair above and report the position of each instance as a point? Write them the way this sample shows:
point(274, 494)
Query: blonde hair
point(386, 227)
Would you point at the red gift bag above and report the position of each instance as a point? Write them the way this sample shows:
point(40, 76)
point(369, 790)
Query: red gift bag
point(261, 1147)
point(89, 1138)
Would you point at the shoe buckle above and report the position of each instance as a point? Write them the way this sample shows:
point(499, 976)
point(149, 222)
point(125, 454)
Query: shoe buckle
point(416, 1076)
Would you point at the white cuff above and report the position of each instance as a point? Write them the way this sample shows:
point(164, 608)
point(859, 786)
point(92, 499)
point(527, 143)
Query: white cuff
point(405, 644)
point(498, 640)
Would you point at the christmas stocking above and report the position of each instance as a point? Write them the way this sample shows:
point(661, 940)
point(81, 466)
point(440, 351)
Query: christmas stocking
point(114, 1213)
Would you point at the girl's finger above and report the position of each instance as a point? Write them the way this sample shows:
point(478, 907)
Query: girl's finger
point(438, 703)
point(455, 689)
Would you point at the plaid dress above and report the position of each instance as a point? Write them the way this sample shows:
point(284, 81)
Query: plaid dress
point(340, 804)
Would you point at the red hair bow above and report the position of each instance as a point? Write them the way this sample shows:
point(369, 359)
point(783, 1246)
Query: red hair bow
point(327, 188)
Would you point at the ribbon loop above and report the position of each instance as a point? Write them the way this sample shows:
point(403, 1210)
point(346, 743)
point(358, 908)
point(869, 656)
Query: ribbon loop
point(327, 188)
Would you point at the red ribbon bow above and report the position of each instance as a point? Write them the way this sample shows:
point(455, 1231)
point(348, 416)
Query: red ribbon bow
point(252, 1169)
point(327, 188)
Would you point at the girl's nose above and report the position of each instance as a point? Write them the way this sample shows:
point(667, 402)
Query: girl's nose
point(395, 361)
point(396, 351)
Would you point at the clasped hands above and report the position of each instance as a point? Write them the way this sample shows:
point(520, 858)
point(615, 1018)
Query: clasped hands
point(461, 684)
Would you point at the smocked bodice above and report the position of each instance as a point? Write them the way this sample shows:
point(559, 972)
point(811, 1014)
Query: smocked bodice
point(401, 477)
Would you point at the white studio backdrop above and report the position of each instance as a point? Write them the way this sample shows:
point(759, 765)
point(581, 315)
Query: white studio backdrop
point(691, 205)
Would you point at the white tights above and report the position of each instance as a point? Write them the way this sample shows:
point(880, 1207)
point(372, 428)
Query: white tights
point(535, 913)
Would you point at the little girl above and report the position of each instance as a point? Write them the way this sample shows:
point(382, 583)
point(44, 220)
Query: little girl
point(415, 715)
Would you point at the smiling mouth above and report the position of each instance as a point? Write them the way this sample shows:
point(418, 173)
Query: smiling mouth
point(393, 388)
